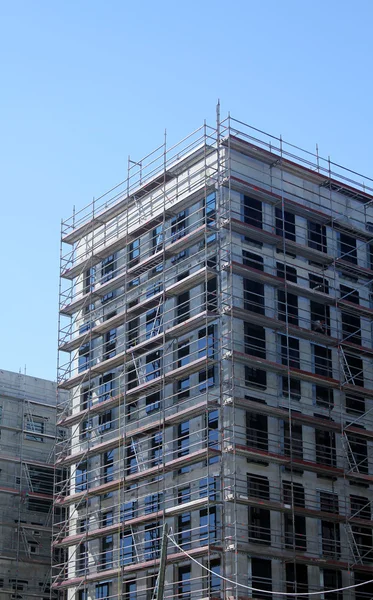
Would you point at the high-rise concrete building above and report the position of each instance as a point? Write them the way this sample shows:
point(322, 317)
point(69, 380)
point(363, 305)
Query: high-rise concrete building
point(216, 311)
point(27, 438)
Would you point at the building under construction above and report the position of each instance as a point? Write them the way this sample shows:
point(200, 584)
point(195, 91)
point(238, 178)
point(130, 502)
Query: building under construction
point(27, 437)
point(216, 343)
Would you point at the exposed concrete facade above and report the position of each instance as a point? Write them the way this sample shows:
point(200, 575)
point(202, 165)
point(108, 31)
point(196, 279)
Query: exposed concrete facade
point(27, 438)
point(218, 319)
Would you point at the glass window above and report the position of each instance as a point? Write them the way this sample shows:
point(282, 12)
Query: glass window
point(287, 307)
point(285, 224)
point(206, 342)
point(183, 438)
point(183, 356)
point(107, 552)
point(110, 341)
point(333, 581)
point(105, 299)
point(85, 429)
point(290, 352)
point(132, 379)
point(37, 428)
point(108, 466)
point(157, 239)
point(323, 396)
point(156, 449)
point(106, 387)
point(249, 259)
point(319, 284)
point(126, 548)
point(178, 226)
point(89, 280)
point(133, 331)
point(105, 421)
point(84, 357)
point(184, 533)
point(209, 211)
point(257, 430)
point(258, 487)
point(291, 387)
point(208, 487)
point(255, 341)
point(184, 584)
point(133, 253)
point(153, 365)
point(317, 236)
point(153, 502)
point(207, 525)
point(253, 295)
point(183, 307)
point(153, 402)
point(210, 208)
point(206, 379)
point(131, 459)
point(153, 322)
point(153, 289)
point(107, 268)
point(293, 444)
point(347, 248)
point(130, 592)
point(183, 495)
point(184, 254)
point(81, 477)
point(183, 388)
point(322, 361)
point(320, 317)
point(85, 399)
point(325, 447)
point(252, 212)
point(133, 283)
point(81, 558)
point(107, 519)
point(215, 581)
point(127, 510)
point(293, 493)
point(286, 272)
point(213, 434)
point(152, 541)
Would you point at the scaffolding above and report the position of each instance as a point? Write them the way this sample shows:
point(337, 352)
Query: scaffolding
point(216, 310)
point(27, 438)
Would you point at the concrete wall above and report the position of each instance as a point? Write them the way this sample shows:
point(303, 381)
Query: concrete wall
point(26, 476)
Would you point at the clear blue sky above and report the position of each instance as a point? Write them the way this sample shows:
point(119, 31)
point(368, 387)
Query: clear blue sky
point(87, 82)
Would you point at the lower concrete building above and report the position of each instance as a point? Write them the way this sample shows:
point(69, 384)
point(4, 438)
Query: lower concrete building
point(27, 437)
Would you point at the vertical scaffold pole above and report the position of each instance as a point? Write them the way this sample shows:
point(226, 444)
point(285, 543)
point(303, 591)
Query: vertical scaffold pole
point(162, 565)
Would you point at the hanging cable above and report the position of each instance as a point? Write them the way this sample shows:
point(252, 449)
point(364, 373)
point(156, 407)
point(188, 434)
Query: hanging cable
point(248, 587)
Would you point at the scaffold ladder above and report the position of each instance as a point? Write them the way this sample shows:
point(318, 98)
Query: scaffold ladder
point(29, 416)
point(156, 329)
point(28, 478)
point(135, 447)
point(346, 368)
point(135, 544)
point(139, 368)
point(354, 548)
point(349, 453)
point(25, 541)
